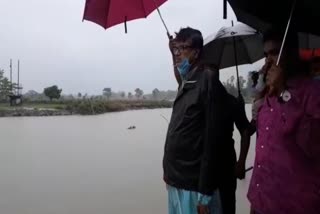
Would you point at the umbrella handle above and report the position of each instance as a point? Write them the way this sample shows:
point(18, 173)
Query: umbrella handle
point(162, 20)
point(286, 33)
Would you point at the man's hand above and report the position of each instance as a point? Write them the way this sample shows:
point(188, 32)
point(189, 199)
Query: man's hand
point(240, 170)
point(203, 209)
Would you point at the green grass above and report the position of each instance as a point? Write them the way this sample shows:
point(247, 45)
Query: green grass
point(90, 107)
point(45, 106)
point(6, 106)
point(98, 107)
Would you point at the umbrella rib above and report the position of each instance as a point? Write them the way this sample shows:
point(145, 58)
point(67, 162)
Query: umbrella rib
point(85, 10)
point(107, 12)
point(144, 9)
point(236, 61)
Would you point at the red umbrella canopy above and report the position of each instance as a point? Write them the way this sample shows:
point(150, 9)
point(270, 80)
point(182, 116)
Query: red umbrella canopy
point(108, 13)
point(308, 54)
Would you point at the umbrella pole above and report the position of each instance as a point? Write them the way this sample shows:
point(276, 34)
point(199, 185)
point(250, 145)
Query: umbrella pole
point(236, 60)
point(162, 20)
point(237, 69)
point(286, 33)
point(225, 10)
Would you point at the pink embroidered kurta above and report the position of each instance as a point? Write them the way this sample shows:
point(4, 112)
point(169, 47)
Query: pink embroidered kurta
point(286, 175)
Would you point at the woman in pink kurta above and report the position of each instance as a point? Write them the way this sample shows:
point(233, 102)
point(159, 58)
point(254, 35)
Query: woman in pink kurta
point(286, 175)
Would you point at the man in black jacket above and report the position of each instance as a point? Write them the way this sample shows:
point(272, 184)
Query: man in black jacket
point(191, 160)
point(231, 168)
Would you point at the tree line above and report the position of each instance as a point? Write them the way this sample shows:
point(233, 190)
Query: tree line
point(54, 92)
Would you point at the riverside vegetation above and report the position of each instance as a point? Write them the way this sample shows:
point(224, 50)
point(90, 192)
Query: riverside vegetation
point(51, 102)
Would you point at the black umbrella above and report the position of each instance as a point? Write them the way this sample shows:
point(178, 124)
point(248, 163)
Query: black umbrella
point(301, 15)
point(233, 46)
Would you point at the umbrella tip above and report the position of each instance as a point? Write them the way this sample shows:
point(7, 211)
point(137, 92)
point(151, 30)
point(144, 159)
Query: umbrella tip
point(125, 25)
point(225, 10)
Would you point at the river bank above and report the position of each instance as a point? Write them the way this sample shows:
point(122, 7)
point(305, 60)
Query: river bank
point(79, 107)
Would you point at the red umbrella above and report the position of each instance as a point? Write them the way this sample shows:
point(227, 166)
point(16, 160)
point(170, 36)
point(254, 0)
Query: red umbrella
point(308, 54)
point(108, 13)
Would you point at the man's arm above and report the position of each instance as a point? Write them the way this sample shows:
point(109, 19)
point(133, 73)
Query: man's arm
point(243, 125)
point(244, 148)
point(212, 96)
point(308, 138)
point(253, 127)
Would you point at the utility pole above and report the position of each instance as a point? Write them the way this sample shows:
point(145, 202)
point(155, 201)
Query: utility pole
point(11, 74)
point(18, 77)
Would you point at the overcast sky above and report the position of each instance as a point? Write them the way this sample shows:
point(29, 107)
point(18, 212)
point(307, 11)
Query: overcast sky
point(55, 47)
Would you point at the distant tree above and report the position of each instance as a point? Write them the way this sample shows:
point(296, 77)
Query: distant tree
point(31, 93)
point(243, 88)
point(231, 79)
point(107, 92)
point(79, 95)
point(231, 87)
point(242, 82)
point(139, 93)
point(5, 86)
point(250, 82)
point(155, 93)
point(171, 95)
point(52, 92)
point(122, 94)
point(67, 97)
point(130, 95)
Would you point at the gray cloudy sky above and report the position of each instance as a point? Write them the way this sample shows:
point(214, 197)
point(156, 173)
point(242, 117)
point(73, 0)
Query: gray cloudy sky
point(56, 47)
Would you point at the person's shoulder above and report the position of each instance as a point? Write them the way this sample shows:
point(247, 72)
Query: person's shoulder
point(312, 96)
point(208, 76)
point(209, 72)
point(312, 87)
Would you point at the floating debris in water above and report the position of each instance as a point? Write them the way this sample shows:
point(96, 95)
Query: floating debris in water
point(132, 127)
